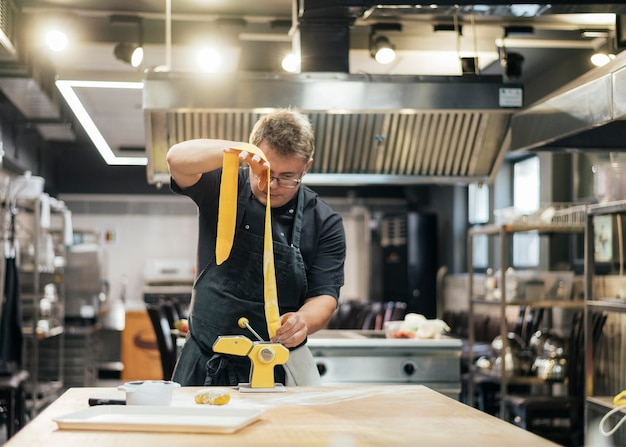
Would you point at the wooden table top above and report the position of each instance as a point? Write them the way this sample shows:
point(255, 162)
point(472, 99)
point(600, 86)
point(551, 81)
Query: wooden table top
point(346, 416)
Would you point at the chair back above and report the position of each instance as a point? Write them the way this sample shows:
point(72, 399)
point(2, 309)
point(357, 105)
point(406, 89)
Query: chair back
point(165, 339)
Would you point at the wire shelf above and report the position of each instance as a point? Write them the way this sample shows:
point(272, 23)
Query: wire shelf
point(553, 214)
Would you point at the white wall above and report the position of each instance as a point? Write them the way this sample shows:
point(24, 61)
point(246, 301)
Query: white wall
point(148, 227)
point(132, 230)
point(136, 239)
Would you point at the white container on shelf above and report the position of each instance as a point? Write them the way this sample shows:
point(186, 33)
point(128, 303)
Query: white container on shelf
point(27, 186)
point(609, 181)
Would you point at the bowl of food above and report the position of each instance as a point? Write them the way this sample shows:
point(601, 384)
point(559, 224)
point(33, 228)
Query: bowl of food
point(393, 329)
point(415, 326)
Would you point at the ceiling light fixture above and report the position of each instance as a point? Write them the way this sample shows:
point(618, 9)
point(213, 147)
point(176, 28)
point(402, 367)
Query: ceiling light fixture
point(291, 63)
point(209, 59)
point(469, 65)
point(527, 10)
point(605, 50)
point(56, 40)
point(509, 60)
point(381, 49)
point(66, 87)
point(513, 65)
point(600, 59)
point(593, 34)
point(131, 53)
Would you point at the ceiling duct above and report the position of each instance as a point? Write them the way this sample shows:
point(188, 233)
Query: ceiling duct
point(369, 129)
point(29, 87)
point(325, 45)
point(587, 114)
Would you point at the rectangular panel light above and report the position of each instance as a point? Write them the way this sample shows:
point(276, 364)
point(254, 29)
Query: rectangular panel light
point(66, 87)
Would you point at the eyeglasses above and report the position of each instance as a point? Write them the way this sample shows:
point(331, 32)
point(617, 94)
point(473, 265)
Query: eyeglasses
point(289, 183)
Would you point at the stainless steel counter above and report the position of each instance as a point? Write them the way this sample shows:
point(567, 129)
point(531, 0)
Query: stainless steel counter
point(351, 357)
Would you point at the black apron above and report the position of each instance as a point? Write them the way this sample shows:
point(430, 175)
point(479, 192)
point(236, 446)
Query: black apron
point(224, 293)
point(11, 338)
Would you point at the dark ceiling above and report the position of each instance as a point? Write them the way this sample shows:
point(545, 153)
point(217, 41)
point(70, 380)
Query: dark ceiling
point(334, 37)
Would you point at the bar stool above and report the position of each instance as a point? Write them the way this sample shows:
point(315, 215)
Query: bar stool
point(12, 400)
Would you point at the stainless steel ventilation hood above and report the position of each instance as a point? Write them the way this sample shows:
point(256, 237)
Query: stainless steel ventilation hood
point(587, 114)
point(369, 129)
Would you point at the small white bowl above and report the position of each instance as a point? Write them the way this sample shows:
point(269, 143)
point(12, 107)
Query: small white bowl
point(149, 392)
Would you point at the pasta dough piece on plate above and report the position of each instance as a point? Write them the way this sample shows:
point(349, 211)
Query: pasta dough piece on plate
point(212, 396)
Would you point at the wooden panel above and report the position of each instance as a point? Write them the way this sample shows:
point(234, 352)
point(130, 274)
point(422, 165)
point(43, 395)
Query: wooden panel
point(140, 353)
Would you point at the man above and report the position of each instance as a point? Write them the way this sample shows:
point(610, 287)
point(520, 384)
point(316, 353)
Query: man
point(309, 247)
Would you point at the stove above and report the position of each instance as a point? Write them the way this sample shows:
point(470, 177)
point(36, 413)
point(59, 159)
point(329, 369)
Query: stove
point(350, 357)
point(168, 280)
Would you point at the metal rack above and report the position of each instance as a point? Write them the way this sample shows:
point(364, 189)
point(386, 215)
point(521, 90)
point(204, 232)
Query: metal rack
point(565, 220)
point(601, 387)
point(43, 343)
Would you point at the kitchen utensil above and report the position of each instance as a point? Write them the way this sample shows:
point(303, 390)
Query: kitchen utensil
point(553, 346)
point(264, 356)
point(27, 186)
point(551, 368)
point(511, 359)
point(538, 339)
point(244, 322)
point(149, 392)
point(609, 181)
point(93, 401)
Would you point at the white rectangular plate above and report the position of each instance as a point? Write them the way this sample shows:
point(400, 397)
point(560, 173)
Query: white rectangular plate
point(200, 419)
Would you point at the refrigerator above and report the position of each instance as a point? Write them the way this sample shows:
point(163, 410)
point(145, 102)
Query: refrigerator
point(409, 250)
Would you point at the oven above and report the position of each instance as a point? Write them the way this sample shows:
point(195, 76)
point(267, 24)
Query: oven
point(169, 280)
point(351, 357)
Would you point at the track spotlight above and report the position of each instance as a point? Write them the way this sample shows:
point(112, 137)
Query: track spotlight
point(600, 59)
point(130, 53)
point(382, 50)
point(209, 59)
point(56, 40)
point(469, 65)
point(513, 65)
point(291, 63)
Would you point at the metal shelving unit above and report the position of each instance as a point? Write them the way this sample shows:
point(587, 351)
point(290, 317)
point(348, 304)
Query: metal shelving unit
point(38, 266)
point(599, 396)
point(504, 232)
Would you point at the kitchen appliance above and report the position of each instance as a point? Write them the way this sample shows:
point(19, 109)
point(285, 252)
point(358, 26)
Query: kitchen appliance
point(430, 129)
point(169, 280)
point(169, 272)
point(355, 357)
point(264, 356)
point(84, 286)
point(409, 249)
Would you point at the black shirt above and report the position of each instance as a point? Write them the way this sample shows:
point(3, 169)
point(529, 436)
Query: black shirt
point(322, 242)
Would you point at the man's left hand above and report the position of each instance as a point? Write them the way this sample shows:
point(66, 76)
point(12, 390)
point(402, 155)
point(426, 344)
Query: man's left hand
point(292, 331)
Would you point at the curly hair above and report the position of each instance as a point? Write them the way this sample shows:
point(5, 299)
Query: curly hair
point(286, 131)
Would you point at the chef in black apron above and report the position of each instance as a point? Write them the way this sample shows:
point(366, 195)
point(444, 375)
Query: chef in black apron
point(308, 278)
